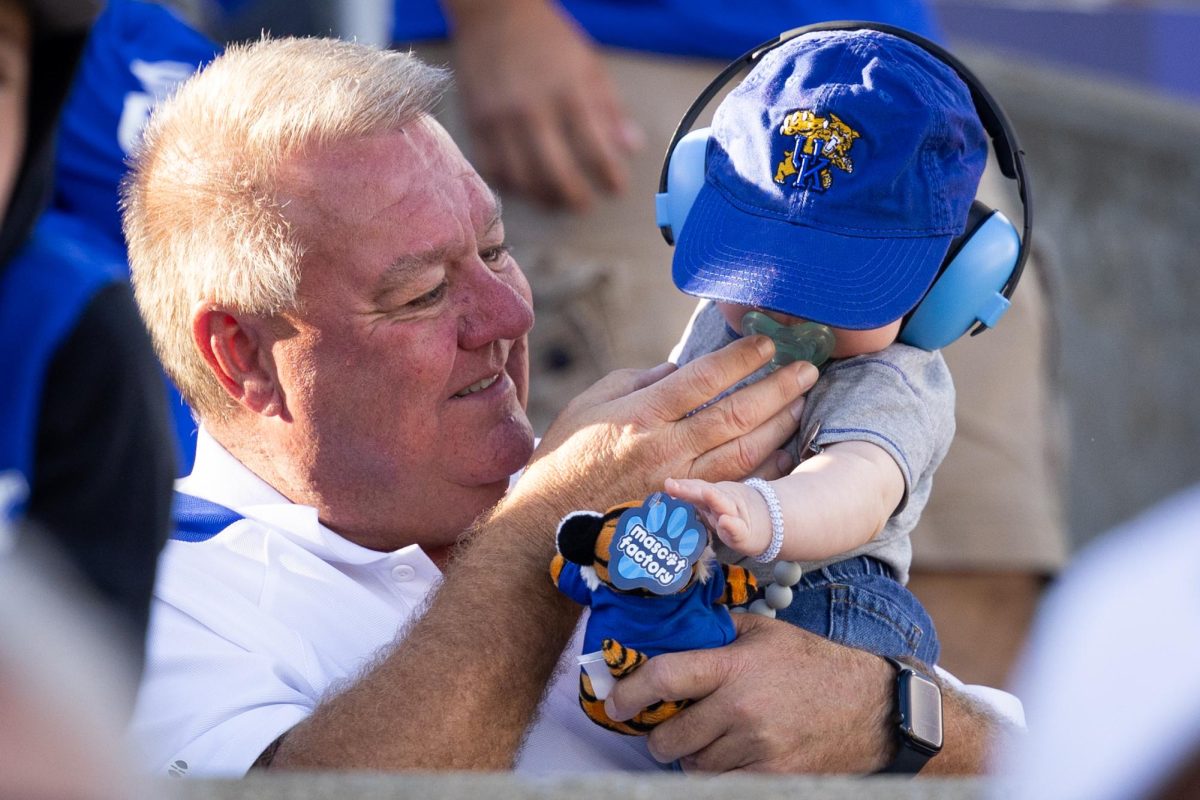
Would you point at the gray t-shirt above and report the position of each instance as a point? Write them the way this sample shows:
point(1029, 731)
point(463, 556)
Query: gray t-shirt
point(901, 399)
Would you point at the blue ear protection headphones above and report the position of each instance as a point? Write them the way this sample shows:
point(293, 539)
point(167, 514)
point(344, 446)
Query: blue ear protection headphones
point(975, 283)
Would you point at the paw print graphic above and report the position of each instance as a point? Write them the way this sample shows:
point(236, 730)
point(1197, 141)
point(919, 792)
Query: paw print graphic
point(656, 545)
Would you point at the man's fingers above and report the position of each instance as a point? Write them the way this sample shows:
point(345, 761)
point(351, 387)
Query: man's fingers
point(726, 752)
point(593, 136)
point(622, 382)
point(736, 435)
point(487, 159)
point(554, 179)
point(738, 458)
point(510, 164)
point(672, 676)
point(776, 465)
point(690, 734)
point(647, 377)
point(699, 381)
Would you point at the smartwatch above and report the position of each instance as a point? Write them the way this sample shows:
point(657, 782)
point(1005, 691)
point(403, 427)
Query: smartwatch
point(918, 718)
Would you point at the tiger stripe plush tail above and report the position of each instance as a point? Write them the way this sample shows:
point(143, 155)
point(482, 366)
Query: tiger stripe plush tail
point(740, 585)
point(621, 661)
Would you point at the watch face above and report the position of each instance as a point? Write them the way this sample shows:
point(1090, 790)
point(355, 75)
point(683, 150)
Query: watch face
point(922, 702)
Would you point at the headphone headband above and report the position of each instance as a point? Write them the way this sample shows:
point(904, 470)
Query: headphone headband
point(1009, 154)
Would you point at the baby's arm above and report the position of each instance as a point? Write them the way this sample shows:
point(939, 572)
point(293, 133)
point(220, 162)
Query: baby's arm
point(832, 503)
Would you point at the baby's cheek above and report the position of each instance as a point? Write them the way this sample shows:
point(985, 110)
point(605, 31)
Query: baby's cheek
point(857, 343)
point(733, 313)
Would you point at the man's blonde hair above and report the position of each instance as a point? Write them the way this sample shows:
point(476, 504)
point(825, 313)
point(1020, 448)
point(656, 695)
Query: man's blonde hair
point(200, 210)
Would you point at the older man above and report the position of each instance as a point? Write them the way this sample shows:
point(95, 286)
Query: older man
point(326, 278)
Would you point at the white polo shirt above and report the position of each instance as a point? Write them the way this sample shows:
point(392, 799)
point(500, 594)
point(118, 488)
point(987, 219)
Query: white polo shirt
point(249, 630)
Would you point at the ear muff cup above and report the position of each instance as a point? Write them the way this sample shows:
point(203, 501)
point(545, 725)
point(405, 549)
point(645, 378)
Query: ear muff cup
point(685, 178)
point(969, 290)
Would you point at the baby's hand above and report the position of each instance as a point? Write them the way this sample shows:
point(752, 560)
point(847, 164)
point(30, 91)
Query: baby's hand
point(736, 512)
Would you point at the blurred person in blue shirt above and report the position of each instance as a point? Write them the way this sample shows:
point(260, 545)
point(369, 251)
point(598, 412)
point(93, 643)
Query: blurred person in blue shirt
point(137, 52)
point(85, 424)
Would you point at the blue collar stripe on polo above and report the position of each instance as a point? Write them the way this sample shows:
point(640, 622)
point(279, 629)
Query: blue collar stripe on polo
point(198, 520)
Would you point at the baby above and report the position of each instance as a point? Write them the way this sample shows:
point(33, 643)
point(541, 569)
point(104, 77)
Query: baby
point(837, 176)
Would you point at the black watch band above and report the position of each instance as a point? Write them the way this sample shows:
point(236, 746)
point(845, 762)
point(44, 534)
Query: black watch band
point(918, 720)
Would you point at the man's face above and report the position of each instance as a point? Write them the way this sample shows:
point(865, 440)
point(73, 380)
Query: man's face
point(14, 93)
point(407, 375)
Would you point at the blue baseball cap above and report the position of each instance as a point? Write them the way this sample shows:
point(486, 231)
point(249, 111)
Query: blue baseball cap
point(837, 173)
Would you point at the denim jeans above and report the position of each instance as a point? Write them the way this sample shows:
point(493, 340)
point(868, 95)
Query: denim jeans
point(859, 603)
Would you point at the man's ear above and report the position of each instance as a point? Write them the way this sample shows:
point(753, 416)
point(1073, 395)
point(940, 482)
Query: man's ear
point(237, 348)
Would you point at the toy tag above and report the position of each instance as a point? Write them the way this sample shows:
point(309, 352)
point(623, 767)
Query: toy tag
point(805, 341)
point(655, 545)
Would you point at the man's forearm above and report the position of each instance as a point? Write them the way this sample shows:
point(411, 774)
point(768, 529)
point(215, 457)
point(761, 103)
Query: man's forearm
point(461, 687)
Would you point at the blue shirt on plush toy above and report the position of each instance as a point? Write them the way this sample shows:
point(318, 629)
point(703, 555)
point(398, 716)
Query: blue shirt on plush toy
point(648, 574)
point(654, 624)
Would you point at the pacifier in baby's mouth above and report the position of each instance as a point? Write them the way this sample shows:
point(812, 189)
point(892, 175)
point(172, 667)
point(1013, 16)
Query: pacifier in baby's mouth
point(804, 341)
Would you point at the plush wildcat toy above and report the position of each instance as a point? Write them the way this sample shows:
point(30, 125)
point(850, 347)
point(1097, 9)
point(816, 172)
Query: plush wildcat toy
point(648, 573)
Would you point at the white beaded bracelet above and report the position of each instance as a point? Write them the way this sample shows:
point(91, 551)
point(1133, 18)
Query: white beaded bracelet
point(768, 494)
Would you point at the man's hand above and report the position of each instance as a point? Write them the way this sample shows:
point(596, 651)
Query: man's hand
point(633, 429)
point(779, 699)
point(544, 117)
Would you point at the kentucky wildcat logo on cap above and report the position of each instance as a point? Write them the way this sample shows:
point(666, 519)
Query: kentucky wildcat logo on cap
point(820, 142)
point(788, 221)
